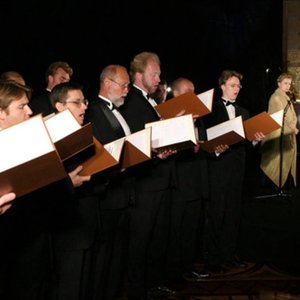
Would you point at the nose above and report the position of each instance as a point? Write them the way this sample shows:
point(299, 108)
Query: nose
point(28, 110)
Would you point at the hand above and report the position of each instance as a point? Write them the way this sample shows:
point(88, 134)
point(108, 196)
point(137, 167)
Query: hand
point(181, 113)
point(5, 202)
point(165, 152)
point(195, 117)
point(293, 126)
point(221, 148)
point(78, 180)
point(198, 146)
point(259, 136)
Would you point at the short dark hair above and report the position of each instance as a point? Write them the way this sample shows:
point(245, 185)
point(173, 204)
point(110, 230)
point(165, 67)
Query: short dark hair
point(226, 74)
point(60, 92)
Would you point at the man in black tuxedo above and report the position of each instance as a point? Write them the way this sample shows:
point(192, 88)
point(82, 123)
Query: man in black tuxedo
point(149, 224)
point(77, 230)
point(226, 176)
point(109, 125)
point(188, 198)
point(27, 226)
point(57, 72)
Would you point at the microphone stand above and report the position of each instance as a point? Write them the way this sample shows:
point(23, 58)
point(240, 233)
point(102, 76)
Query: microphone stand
point(280, 192)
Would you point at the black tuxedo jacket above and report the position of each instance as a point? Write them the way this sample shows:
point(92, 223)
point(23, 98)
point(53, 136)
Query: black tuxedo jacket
point(191, 171)
point(228, 168)
point(106, 128)
point(41, 104)
point(155, 174)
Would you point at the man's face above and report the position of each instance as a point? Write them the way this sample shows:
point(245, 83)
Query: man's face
point(118, 87)
point(151, 76)
point(60, 76)
point(75, 102)
point(231, 88)
point(17, 112)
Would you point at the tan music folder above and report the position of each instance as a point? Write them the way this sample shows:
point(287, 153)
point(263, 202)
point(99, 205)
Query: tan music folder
point(105, 157)
point(264, 123)
point(137, 148)
point(226, 133)
point(68, 136)
point(127, 151)
point(177, 133)
point(31, 160)
point(190, 103)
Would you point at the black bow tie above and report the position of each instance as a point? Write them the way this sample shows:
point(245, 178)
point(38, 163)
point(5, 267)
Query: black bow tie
point(229, 103)
point(114, 107)
point(111, 106)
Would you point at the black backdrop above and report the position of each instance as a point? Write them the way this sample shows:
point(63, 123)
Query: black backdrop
point(194, 38)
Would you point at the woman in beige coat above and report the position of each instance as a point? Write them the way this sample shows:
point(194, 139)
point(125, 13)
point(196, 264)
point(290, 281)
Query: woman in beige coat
point(271, 146)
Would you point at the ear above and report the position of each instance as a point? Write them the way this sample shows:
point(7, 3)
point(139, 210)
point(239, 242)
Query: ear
point(60, 106)
point(2, 114)
point(106, 81)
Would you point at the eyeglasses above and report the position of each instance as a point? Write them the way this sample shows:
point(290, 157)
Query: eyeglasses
point(79, 102)
point(239, 86)
point(121, 85)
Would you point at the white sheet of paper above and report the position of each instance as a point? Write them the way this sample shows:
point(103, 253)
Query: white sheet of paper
point(61, 125)
point(114, 148)
point(172, 131)
point(141, 140)
point(278, 117)
point(235, 124)
point(207, 98)
point(24, 142)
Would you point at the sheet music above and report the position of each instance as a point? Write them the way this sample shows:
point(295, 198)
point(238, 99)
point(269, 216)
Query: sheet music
point(172, 131)
point(61, 125)
point(207, 98)
point(141, 140)
point(23, 142)
point(114, 148)
point(235, 124)
point(278, 117)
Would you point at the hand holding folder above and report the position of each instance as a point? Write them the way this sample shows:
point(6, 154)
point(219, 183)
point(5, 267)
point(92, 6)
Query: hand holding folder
point(264, 123)
point(226, 133)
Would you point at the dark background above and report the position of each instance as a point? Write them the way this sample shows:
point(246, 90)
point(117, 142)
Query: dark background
point(195, 39)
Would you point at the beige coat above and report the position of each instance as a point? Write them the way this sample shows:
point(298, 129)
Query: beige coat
point(270, 159)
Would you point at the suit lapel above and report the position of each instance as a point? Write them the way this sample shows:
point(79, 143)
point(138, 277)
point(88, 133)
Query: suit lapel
point(111, 118)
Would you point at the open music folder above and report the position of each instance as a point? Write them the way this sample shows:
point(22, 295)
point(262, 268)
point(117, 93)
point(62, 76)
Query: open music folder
point(190, 103)
point(225, 133)
point(29, 158)
point(177, 133)
point(104, 157)
point(127, 151)
point(264, 123)
point(68, 136)
point(137, 148)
